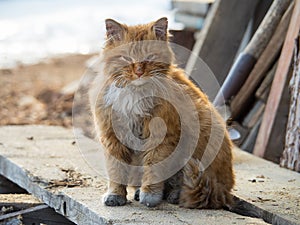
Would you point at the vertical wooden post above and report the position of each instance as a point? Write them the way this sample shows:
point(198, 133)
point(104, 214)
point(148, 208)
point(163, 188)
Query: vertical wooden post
point(291, 155)
point(247, 59)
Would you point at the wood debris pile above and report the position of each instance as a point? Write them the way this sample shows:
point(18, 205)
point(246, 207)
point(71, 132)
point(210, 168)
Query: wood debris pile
point(254, 67)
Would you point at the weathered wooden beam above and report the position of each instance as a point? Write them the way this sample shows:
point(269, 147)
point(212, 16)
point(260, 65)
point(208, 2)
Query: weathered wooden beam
point(22, 212)
point(241, 100)
point(278, 83)
point(253, 116)
point(19, 202)
point(219, 40)
point(249, 141)
point(291, 155)
point(276, 142)
point(263, 91)
point(247, 59)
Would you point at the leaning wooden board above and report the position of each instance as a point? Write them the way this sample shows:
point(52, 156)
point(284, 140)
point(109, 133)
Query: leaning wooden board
point(278, 84)
point(44, 160)
point(242, 99)
point(219, 40)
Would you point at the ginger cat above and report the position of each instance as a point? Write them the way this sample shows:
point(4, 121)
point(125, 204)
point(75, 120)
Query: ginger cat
point(121, 107)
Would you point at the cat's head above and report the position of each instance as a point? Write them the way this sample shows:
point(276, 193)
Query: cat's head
point(134, 53)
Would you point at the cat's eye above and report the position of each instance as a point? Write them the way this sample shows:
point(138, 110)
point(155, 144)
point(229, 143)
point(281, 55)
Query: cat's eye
point(126, 58)
point(150, 57)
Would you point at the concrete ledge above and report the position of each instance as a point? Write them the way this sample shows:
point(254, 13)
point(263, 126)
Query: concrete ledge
point(44, 161)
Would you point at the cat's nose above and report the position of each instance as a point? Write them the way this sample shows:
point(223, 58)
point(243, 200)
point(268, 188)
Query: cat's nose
point(138, 70)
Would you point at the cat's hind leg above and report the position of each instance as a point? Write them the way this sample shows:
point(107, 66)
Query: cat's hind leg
point(201, 189)
point(172, 188)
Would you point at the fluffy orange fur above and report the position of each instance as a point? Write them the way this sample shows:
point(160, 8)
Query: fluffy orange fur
point(190, 187)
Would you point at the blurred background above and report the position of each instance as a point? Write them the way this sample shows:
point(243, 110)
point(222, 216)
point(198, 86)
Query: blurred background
point(46, 45)
point(37, 29)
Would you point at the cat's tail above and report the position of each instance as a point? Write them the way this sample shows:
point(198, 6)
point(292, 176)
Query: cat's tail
point(202, 190)
point(241, 207)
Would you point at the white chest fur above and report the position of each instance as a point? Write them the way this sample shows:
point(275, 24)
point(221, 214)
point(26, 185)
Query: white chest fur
point(132, 100)
point(129, 105)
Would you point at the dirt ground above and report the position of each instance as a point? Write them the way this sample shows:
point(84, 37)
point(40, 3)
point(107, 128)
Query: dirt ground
point(32, 94)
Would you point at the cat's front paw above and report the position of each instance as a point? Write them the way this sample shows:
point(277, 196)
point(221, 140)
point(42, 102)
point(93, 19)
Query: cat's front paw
point(150, 199)
point(173, 196)
point(114, 200)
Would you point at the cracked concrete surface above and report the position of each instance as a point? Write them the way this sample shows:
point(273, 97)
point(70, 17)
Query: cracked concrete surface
point(44, 161)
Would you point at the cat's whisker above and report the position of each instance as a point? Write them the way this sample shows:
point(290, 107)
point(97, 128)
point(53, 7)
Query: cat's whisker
point(120, 81)
point(158, 70)
point(124, 82)
point(157, 74)
point(160, 85)
point(117, 81)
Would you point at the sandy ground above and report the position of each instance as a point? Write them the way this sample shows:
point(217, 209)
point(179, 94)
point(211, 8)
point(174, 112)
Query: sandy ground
point(32, 94)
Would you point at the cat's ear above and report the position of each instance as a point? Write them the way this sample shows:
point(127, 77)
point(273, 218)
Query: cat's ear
point(160, 28)
point(114, 30)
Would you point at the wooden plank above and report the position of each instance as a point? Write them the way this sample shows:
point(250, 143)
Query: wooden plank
point(246, 60)
point(249, 141)
point(24, 201)
point(263, 91)
point(265, 94)
point(276, 142)
point(13, 203)
point(18, 201)
point(220, 38)
point(241, 100)
point(267, 27)
point(278, 83)
point(35, 164)
point(291, 155)
point(255, 113)
point(21, 212)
